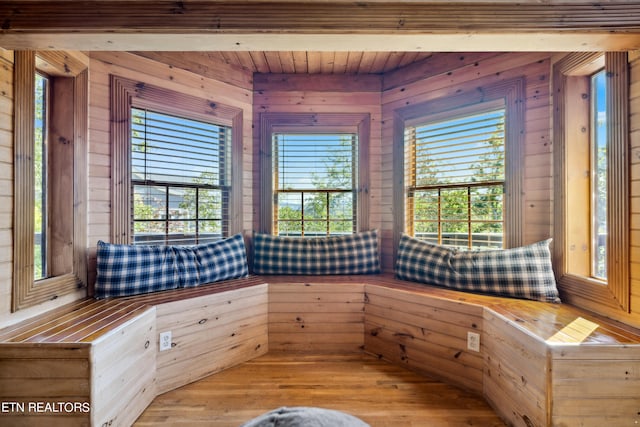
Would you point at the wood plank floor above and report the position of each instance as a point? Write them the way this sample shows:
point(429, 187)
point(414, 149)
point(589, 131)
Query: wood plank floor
point(379, 393)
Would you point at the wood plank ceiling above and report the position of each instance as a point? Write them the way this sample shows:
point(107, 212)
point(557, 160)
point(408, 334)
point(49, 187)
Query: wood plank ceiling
point(298, 62)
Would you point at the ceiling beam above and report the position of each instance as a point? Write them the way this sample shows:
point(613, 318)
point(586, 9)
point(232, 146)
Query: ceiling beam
point(320, 25)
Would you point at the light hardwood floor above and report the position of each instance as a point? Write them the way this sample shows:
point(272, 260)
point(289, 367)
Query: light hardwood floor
point(379, 393)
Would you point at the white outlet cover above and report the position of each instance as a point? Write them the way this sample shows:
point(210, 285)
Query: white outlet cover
point(165, 341)
point(473, 341)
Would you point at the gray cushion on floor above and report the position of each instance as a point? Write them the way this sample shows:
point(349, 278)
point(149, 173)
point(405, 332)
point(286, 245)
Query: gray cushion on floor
point(305, 417)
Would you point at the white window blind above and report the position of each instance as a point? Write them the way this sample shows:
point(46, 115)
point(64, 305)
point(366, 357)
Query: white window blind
point(180, 171)
point(456, 179)
point(315, 181)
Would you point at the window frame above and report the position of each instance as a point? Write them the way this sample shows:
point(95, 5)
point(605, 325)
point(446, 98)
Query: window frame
point(69, 129)
point(125, 94)
point(410, 165)
point(224, 147)
point(327, 191)
point(578, 288)
point(271, 123)
point(512, 93)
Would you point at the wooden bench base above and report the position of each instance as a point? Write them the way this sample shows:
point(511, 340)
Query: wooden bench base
point(105, 353)
point(538, 364)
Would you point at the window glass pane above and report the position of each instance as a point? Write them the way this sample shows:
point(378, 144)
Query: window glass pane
point(456, 177)
point(340, 206)
point(289, 228)
point(210, 214)
point(289, 206)
point(209, 231)
point(455, 234)
point(186, 163)
point(314, 181)
point(315, 205)
point(149, 214)
point(599, 176)
point(40, 177)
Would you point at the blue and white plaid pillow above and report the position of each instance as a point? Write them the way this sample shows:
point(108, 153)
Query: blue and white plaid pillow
point(128, 270)
point(186, 264)
point(352, 254)
point(523, 272)
point(221, 260)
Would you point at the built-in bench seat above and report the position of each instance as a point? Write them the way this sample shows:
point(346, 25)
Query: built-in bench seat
point(538, 363)
point(100, 358)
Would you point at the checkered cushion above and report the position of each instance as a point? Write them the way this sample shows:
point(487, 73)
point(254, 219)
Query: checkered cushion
point(129, 270)
point(523, 272)
point(186, 265)
point(221, 260)
point(352, 254)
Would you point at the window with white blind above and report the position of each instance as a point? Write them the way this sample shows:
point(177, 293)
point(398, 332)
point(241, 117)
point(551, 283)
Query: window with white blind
point(180, 178)
point(314, 183)
point(455, 167)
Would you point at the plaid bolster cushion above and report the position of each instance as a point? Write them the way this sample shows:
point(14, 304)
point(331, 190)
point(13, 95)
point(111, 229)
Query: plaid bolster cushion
point(524, 272)
point(129, 270)
point(352, 254)
point(221, 260)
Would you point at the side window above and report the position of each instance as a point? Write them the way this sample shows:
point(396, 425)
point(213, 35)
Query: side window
point(599, 173)
point(591, 211)
point(456, 174)
point(315, 184)
point(49, 179)
point(180, 177)
point(40, 137)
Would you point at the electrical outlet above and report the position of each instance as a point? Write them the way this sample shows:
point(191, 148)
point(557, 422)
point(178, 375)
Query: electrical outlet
point(473, 341)
point(165, 341)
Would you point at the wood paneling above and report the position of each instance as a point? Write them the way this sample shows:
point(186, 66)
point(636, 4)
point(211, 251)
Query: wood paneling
point(424, 334)
point(516, 373)
point(331, 27)
point(58, 373)
point(215, 64)
point(527, 348)
point(123, 377)
point(105, 352)
point(595, 389)
point(316, 318)
point(137, 68)
point(330, 96)
point(471, 72)
point(211, 333)
point(62, 63)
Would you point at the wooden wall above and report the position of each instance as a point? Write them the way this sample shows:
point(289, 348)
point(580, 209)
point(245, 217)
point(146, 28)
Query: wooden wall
point(425, 334)
point(155, 73)
point(299, 93)
point(447, 74)
point(6, 203)
point(317, 318)
point(634, 137)
point(442, 74)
